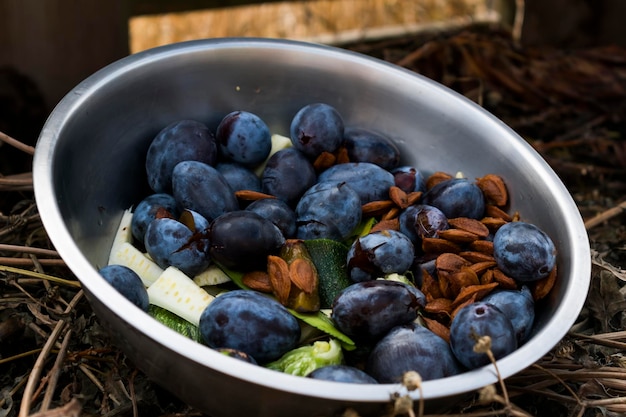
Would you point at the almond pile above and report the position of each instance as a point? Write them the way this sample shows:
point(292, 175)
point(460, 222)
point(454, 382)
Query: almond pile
point(465, 269)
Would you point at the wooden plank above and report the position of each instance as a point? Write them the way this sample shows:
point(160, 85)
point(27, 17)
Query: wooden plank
point(147, 7)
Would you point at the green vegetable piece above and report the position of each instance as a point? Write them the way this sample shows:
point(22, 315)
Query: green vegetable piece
point(175, 322)
point(329, 257)
point(305, 359)
point(322, 322)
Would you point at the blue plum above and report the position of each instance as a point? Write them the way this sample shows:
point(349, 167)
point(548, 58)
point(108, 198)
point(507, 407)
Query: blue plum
point(185, 140)
point(128, 283)
point(287, 175)
point(409, 179)
point(249, 322)
point(421, 220)
point(370, 181)
point(242, 240)
point(328, 210)
point(278, 212)
point(243, 137)
point(411, 347)
point(342, 373)
point(378, 254)
point(523, 251)
point(201, 188)
point(239, 177)
point(367, 310)
point(476, 320)
point(518, 306)
point(147, 209)
point(457, 197)
point(365, 145)
point(171, 243)
point(317, 128)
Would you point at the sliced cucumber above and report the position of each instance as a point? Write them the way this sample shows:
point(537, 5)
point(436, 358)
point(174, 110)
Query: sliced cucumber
point(213, 275)
point(177, 293)
point(175, 322)
point(128, 255)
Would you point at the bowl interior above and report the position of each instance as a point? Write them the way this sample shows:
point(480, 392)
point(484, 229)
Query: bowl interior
point(89, 167)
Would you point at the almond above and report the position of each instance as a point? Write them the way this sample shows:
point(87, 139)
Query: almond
point(278, 271)
point(250, 195)
point(450, 262)
point(436, 178)
point(303, 275)
point(457, 236)
point(470, 225)
point(342, 155)
point(376, 208)
point(482, 246)
point(497, 212)
point(474, 292)
point(494, 189)
point(436, 245)
point(257, 280)
point(493, 223)
point(324, 160)
point(480, 268)
point(413, 197)
point(388, 224)
point(474, 257)
point(399, 197)
point(543, 286)
point(505, 281)
point(437, 328)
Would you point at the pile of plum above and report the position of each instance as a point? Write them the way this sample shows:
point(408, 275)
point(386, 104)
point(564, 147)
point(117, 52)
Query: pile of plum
point(227, 197)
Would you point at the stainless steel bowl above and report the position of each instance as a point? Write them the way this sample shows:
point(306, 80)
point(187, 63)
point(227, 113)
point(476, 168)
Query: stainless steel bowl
point(88, 168)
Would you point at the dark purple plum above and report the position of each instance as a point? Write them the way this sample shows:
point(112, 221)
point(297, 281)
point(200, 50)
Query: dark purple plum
point(243, 137)
point(328, 210)
point(518, 306)
point(249, 322)
point(476, 320)
point(201, 188)
point(378, 254)
point(128, 283)
point(420, 221)
point(287, 175)
point(317, 128)
point(171, 243)
point(411, 347)
point(367, 310)
point(409, 179)
point(185, 140)
point(370, 181)
point(342, 373)
point(242, 240)
point(239, 177)
point(365, 145)
point(457, 197)
point(523, 251)
point(278, 212)
point(147, 209)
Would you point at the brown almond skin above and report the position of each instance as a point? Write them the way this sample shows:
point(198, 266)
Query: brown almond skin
point(494, 189)
point(304, 293)
point(258, 281)
point(278, 271)
point(470, 225)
